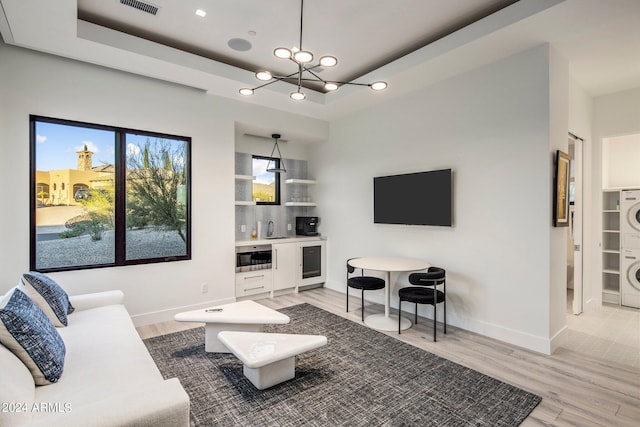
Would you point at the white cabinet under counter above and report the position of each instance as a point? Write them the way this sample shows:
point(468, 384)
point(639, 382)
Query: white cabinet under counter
point(254, 283)
point(292, 262)
point(284, 266)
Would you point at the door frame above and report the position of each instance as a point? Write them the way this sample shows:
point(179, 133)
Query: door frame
point(577, 231)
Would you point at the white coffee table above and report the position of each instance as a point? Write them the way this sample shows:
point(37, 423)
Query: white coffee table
point(269, 359)
point(246, 316)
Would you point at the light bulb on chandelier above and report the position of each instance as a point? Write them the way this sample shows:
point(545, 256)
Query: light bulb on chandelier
point(265, 76)
point(303, 57)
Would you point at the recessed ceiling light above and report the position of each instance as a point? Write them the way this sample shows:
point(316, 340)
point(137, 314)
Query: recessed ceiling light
point(201, 13)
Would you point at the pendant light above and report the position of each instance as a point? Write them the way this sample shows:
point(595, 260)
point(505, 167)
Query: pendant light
point(274, 166)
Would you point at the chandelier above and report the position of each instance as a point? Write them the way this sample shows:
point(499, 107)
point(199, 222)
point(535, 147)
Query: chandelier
point(303, 59)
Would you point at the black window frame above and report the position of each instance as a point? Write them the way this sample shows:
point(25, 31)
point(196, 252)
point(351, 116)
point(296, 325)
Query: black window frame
point(276, 162)
point(120, 194)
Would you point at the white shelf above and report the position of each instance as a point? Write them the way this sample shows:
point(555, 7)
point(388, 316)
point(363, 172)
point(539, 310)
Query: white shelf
point(245, 203)
point(246, 177)
point(300, 204)
point(300, 181)
point(611, 274)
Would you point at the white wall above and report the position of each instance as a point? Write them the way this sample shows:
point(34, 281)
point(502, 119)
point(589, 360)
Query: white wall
point(35, 83)
point(620, 155)
point(291, 149)
point(558, 76)
point(492, 126)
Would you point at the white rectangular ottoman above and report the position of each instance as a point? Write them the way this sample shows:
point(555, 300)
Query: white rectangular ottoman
point(238, 316)
point(269, 359)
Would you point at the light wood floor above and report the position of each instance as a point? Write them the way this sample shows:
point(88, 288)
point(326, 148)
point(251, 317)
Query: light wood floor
point(577, 389)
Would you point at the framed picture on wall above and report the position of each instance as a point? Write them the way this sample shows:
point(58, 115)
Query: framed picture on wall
point(561, 193)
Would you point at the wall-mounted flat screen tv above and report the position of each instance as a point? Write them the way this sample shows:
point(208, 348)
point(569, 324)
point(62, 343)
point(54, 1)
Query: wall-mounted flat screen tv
point(423, 198)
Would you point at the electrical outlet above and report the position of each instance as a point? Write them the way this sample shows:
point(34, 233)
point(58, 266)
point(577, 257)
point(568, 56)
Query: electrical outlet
point(243, 228)
point(288, 227)
point(205, 288)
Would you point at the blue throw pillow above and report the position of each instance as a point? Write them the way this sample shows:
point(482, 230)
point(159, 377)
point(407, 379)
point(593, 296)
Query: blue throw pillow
point(49, 296)
point(30, 335)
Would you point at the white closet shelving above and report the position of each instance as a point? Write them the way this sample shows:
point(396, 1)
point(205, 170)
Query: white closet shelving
point(611, 246)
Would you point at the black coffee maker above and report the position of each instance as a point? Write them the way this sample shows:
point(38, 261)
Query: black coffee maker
point(307, 225)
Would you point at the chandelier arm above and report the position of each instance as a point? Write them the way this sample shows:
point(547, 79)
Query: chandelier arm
point(351, 83)
point(276, 79)
point(314, 74)
point(295, 79)
point(301, 15)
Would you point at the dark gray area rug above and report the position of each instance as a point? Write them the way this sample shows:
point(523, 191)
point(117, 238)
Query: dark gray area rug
point(360, 378)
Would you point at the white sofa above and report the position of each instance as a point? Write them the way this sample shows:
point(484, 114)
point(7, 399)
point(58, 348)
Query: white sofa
point(109, 378)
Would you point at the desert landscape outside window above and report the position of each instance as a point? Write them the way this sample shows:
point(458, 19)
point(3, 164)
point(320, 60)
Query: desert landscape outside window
point(104, 196)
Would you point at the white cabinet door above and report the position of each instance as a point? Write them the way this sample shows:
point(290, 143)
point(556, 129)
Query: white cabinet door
point(285, 265)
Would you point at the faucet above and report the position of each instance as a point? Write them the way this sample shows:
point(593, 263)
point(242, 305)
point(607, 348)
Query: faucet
point(270, 229)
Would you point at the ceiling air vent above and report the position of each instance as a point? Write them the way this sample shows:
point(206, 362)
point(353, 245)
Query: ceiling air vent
point(140, 5)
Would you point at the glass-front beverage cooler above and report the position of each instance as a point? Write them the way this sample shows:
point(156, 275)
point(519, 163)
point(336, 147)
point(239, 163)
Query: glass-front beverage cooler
point(312, 263)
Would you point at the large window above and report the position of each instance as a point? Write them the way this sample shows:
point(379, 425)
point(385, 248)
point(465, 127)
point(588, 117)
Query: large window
point(105, 196)
point(266, 186)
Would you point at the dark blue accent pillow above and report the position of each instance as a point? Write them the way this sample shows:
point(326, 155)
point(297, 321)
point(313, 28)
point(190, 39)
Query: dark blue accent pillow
point(30, 335)
point(49, 296)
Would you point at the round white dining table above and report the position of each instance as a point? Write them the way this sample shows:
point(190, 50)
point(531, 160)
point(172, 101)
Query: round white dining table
point(387, 322)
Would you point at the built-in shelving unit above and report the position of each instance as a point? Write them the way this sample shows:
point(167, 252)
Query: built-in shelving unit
point(611, 246)
point(304, 203)
point(245, 202)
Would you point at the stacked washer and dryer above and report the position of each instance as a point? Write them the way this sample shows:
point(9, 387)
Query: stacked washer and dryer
point(630, 248)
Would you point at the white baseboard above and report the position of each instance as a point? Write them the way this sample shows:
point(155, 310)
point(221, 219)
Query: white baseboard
point(166, 315)
point(511, 336)
point(559, 339)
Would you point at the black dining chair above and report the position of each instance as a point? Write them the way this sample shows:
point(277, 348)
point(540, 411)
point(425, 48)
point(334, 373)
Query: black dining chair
point(362, 282)
point(426, 291)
